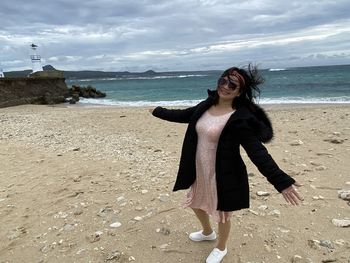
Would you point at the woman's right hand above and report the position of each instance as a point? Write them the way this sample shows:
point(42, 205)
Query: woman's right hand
point(291, 195)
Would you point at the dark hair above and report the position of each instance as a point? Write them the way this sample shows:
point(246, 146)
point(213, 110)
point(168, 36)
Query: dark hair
point(249, 90)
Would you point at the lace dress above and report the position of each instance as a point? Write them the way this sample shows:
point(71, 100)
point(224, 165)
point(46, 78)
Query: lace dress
point(203, 192)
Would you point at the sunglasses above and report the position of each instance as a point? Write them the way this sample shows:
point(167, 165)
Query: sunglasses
point(223, 81)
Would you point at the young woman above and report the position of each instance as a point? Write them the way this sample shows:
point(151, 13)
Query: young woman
point(211, 164)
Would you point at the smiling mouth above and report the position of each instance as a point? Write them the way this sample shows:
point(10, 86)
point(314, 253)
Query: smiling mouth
point(225, 91)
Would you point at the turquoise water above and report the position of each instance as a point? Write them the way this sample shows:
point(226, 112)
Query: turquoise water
point(329, 84)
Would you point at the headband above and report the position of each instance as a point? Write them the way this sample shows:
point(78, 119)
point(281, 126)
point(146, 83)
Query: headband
point(238, 76)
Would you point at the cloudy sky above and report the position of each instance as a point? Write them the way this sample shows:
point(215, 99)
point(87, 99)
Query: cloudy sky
point(118, 35)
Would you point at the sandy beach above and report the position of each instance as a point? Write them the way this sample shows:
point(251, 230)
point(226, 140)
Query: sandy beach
point(95, 185)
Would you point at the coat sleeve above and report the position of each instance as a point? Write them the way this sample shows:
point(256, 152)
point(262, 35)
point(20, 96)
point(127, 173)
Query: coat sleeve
point(174, 115)
point(259, 155)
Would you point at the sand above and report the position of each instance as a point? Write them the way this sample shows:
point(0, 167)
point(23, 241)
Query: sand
point(95, 185)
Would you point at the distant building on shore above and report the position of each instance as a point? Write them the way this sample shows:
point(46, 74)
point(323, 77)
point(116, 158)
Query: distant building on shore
point(36, 59)
point(1, 73)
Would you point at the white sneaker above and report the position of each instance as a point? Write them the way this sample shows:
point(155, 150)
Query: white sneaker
point(216, 256)
point(198, 236)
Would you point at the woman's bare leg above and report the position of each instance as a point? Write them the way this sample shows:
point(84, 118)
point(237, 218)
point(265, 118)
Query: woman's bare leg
point(203, 218)
point(224, 232)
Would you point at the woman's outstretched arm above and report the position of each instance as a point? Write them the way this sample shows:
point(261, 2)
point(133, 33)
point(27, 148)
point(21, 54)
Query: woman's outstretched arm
point(267, 166)
point(173, 115)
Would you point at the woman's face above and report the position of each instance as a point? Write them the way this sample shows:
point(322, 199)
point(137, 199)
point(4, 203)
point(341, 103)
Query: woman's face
point(228, 88)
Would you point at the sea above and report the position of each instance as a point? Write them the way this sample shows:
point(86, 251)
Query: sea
point(298, 85)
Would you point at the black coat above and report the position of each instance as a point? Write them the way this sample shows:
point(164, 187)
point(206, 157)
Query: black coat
point(248, 127)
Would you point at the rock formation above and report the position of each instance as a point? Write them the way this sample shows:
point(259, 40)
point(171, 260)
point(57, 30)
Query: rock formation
point(32, 90)
point(86, 92)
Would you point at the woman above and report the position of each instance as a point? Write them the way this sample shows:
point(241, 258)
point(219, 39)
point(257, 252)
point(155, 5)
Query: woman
point(211, 164)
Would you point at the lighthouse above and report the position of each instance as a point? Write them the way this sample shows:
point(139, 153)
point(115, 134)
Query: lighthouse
point(36, 59)
point(1, 73)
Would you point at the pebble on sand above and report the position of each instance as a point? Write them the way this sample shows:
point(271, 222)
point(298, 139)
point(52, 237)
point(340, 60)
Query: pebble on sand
point(296, 143)
point(262, 193)
point(115, 225)
point(334, 140)
point(344, 194)
point(341, 222)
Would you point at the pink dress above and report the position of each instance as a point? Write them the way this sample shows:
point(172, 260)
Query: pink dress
point(203, 192)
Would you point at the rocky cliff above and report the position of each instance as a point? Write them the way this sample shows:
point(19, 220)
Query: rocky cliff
point(32, 90)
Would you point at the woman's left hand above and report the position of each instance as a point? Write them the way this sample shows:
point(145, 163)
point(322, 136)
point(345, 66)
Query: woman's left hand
point(291, 195)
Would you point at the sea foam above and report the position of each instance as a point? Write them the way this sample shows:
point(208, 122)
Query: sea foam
point(183, 103)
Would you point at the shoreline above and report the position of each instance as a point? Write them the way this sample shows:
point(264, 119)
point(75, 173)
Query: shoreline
point(264, 105)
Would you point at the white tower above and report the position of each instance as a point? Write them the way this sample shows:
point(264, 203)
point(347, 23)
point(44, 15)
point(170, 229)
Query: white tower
point(36, 59)
point(1, 73)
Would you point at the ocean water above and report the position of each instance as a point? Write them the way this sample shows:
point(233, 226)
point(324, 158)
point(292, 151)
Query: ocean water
point(327, 84)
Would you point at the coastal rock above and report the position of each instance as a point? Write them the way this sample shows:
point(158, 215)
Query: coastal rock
point(85, 92)
point(32, 90)
point(50, 99)
point(72, 101)
point(75, 96)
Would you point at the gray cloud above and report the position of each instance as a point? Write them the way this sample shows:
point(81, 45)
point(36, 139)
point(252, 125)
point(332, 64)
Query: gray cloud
point(174, 35)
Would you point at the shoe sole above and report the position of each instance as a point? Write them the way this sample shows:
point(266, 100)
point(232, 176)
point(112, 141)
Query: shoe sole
point(205, 239)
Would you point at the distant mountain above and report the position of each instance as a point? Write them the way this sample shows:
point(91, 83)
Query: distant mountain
point(16, 74)
point(91, 74)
